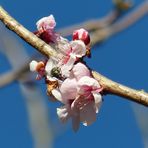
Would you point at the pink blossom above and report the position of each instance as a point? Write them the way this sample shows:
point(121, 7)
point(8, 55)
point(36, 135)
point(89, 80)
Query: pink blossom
point(46, 31)
point(46, 23)
point(68, 80)
point(77, 50)
point(81, 34)
point(49, 36)
point(81, 95)
point(80, 70)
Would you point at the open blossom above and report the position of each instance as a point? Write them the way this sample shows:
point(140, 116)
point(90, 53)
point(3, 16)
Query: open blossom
point(68, 80)
point(76, 51)
point(81, 95)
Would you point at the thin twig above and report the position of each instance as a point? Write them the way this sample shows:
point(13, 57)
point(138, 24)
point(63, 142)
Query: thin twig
point(11, 76)
point(101, 34)
point(109, 86)
point(131, 18)
point(91, 25)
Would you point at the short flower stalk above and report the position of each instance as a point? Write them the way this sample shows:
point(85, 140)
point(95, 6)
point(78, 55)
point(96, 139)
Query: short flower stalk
point(68, 79)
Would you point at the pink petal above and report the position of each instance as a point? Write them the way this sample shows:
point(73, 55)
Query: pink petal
point(49, 36)
point(78, 48)
point(79, 70)
point(76, 120)
point(88, 114)
point(81, 34)
point(69, 89)
point(98, 101)
point(57, 94)
point(46, 23)
point(88, 81)
point(65, 69)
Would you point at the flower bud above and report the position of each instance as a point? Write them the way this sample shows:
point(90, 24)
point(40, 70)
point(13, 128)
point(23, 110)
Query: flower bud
point(81, 34)
point(33, 64)
point(46, 23)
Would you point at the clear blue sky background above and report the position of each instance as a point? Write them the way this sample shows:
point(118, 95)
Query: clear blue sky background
point(122, 58)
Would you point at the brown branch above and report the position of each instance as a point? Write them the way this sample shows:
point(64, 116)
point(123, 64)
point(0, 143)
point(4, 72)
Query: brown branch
point(109, 86)
point(90, 25)
point(26, 35)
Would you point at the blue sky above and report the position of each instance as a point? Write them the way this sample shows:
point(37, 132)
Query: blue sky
point(122, 58)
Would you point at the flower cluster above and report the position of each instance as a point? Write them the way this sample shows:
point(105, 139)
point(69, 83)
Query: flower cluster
point(68, 79)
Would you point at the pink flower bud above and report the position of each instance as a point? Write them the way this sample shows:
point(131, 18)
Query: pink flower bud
point(81, 34)
point(46, 23)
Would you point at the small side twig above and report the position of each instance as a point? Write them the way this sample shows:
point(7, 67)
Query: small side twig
point(109, 86)
point(100, 34)
point(9, 77)
point(91, 25)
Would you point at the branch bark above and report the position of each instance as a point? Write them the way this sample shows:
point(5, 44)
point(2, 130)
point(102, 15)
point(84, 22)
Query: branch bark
point(26, 35)
point(110, 87)
point(114, 88)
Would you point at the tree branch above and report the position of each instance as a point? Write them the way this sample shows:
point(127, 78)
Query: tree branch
point(109, 86)
point(90, 25)
point(26, 35)
point(101, 34)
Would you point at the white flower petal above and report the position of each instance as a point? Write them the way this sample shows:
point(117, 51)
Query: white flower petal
point(65, 69)
point(88, 114)
point(51, 78)
point(33, 65)
point(88, 81)
point(50, 64)
point(75, 122)
point(56, 93)
point(78, 48)
point(69, 89)
point(63, 113)
point(98, 100)
point(79, 70)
